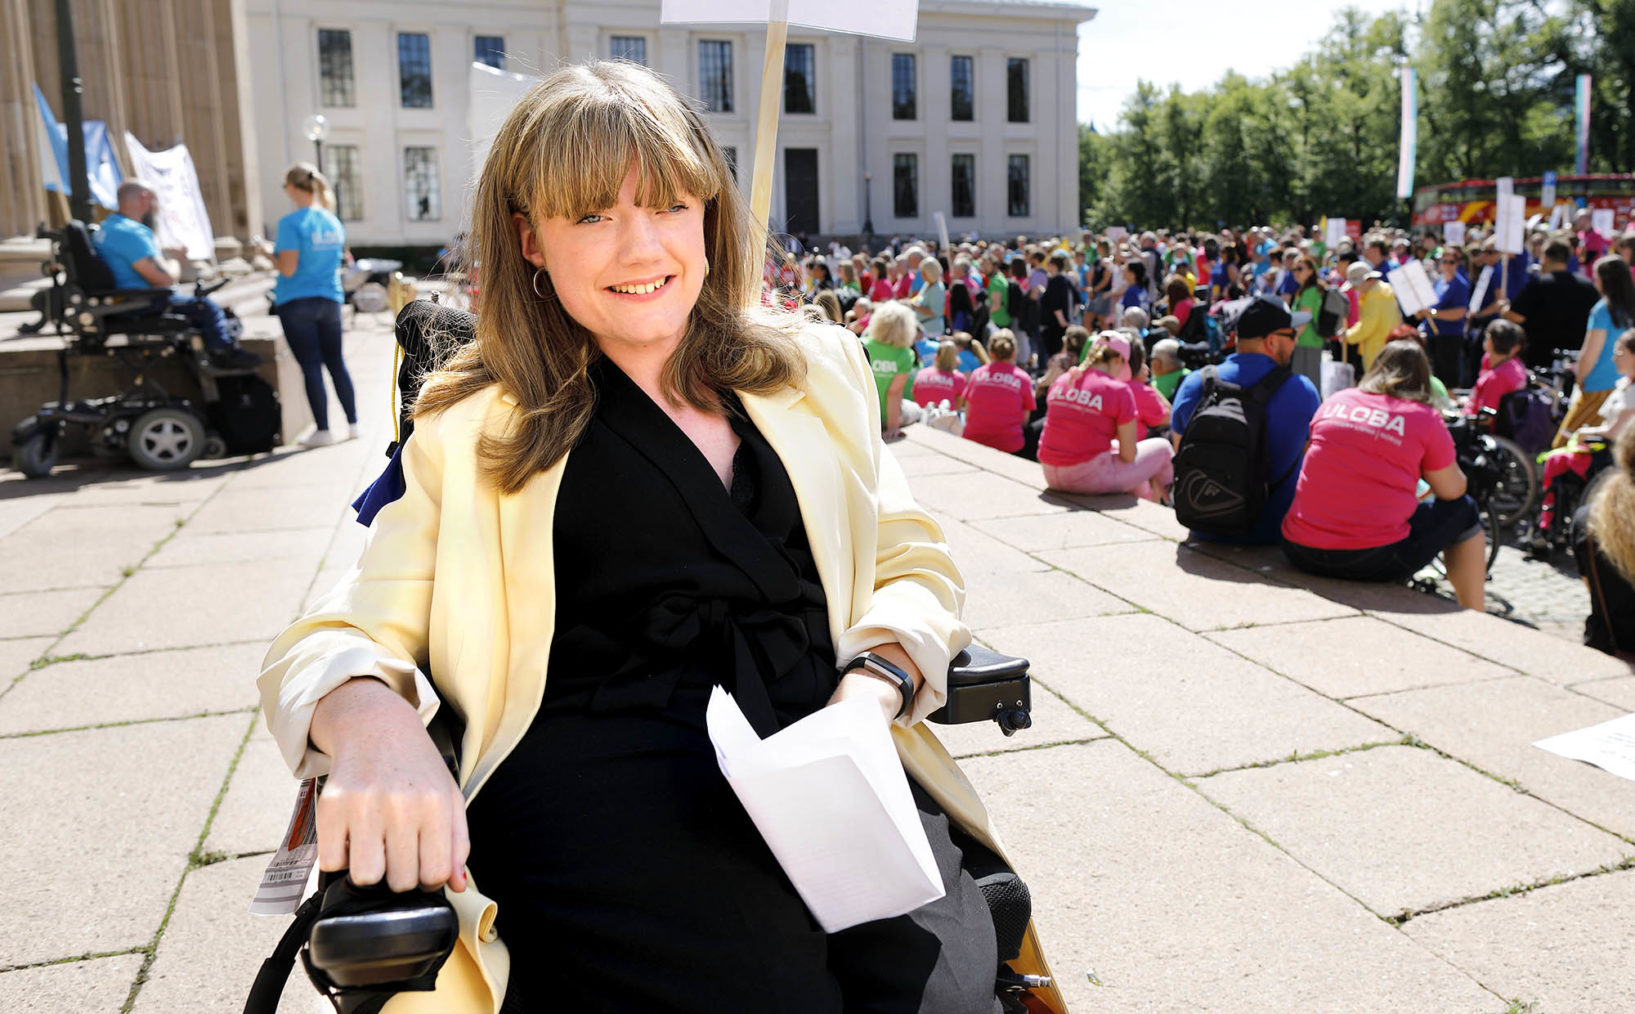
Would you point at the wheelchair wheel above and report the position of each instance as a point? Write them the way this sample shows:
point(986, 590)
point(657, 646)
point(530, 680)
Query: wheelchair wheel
point(165, 439)
point(36, 454)
point(1516, 494)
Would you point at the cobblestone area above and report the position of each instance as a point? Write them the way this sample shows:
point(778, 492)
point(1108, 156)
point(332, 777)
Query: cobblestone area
point(1548, 595)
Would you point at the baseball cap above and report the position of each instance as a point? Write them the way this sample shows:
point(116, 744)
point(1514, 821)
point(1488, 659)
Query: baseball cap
point(1117, 342)
point(1264, 314)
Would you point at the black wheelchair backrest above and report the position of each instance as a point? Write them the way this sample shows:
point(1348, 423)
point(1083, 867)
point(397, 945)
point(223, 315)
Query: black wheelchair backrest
point(80, 259)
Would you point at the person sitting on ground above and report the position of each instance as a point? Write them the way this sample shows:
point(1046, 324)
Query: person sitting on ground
point(126, 244)
point(1604, 547)
point(1266, 340)
point(1502, 371)
point(1151, 408)
point(971, 353)
point(1091, 441)
point(1135, 319)
point(1356, 512)
point(1167, 371)
point(890, 347)
point(857, 318)
point(1075, 343)
point(829, 303)
point(941, 381)
point(998, 398)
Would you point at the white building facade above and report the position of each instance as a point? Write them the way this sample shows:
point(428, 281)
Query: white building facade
point(976, 119)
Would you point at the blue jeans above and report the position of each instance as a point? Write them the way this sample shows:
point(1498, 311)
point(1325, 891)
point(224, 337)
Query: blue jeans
point(205, 315)
point(312, 326)
point(1434, 527)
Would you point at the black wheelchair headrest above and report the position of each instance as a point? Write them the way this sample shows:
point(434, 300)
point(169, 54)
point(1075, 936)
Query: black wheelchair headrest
point(80, 257)
point(422, 320)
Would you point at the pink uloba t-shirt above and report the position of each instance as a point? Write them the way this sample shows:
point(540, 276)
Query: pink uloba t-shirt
point(1150, 406)
point(1495, 383)
point(998, 398)
point(1082, 417)
point(1358, 482)
point(934, 386)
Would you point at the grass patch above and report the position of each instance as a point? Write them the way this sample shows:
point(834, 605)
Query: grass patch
point(45, 660)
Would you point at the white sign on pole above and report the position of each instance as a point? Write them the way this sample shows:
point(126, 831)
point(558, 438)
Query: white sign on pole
point(1413, 288)
point(1506, 185)
point(1547, 191)
point(942, 232)
point(886, 19)
point(1602, 221)
point(1453, 233)
point(1510, 225)
point(183, 220)
point(1334, 233)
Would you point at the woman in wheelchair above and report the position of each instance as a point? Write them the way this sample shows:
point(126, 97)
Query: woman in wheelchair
point(642, 482)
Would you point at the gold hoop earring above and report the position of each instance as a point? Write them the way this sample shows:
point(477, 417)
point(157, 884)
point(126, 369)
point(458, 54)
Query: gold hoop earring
point(537, 273)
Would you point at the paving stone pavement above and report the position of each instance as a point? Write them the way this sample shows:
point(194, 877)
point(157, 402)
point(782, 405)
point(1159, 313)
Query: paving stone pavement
point(1244, 791)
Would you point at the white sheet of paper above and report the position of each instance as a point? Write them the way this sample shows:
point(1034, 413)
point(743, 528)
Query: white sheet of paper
point(1602, 221)
point(1482, 283)
point(1453, 233)
point(1413, 288)
point(1334, 233)
point(829, 796)
point(885, 19)
point(1610, 746)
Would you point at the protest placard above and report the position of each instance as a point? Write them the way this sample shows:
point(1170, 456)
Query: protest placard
point(1413, 288)
point(1510, 227)
point(1453, 233)
point(1334, 233)
point(1602, 221)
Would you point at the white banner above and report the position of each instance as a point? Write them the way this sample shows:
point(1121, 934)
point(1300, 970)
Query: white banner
point(885, 19)
point(183, 220)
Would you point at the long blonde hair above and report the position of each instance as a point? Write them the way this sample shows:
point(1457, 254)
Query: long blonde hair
point(305, 177)
point(565, 151)
point(1612, 514)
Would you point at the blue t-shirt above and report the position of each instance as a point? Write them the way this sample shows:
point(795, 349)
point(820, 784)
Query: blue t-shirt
point(121, 242)
point(1289, 285)
point(1454, 295)
point(319, 240)
point(1135, 296)
point(926, 349)
point(1604, 375)
point(1288, 424)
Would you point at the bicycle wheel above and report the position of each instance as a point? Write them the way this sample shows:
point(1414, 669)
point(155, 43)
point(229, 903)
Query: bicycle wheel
point(1515, 494)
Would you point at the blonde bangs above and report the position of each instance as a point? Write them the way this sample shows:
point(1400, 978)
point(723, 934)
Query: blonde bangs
point(588, 139)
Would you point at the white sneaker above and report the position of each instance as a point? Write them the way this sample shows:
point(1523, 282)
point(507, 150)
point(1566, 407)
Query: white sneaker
point(318, 438)
point(352, 432)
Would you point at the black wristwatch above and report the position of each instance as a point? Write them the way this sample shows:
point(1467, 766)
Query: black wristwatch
point(882, 668)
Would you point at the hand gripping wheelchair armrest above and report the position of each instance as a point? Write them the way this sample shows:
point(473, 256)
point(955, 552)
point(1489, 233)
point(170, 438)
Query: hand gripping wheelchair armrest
point(361, 945)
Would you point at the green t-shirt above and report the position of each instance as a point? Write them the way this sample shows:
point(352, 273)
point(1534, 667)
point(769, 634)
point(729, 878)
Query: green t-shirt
point(1310, 300)
point(1167, 384)
point(998, 288)
point(888, 361)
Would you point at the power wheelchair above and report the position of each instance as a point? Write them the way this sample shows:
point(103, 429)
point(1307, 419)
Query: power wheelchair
point(360, 946)
point(157, 430)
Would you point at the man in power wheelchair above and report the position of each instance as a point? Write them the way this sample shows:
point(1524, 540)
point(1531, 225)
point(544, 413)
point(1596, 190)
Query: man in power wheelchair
point(89, 306)
point(126, 243)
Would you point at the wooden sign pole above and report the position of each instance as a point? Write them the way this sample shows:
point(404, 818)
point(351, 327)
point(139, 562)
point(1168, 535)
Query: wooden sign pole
point(766, 128)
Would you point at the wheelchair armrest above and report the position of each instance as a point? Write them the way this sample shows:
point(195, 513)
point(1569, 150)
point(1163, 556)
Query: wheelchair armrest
point(201, 290)
point(983, 686)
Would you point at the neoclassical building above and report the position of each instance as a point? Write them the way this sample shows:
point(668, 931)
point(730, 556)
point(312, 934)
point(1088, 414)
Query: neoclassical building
point(975, 119)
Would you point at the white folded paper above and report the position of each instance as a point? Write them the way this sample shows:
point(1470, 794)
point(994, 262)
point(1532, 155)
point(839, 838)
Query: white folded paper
point(1610, 746)
point(829, 796)
point(1413, 288)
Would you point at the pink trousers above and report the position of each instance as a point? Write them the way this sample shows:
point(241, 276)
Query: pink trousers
point(1107, 473)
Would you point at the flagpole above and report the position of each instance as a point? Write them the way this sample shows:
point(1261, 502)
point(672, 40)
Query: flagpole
point(766, 128)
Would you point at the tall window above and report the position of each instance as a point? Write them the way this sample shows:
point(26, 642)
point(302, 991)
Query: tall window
point(335, 67)
point(420, 187)
point(963, 98)
point(491, 51)
point(715, 75)
point(1017, 186)
point(905, 186)
point(1016, 89)
point(903, 106)
point(414, 69)
point(799, 78)
point(730, 153)
point(964, 186)
point(345, 171)
point(628, 47)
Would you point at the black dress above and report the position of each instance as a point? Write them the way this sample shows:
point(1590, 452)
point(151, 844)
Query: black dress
point(627, 875)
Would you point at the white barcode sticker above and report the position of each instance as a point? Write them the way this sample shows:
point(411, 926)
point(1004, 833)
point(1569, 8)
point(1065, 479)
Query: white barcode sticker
point(285, 882)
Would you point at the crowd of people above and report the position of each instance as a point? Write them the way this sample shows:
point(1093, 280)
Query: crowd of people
point(1095, 355)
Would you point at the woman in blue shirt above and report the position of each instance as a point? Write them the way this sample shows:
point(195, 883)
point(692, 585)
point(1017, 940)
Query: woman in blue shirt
point(1595, 372)
point(1445, 323)
point(311, 244)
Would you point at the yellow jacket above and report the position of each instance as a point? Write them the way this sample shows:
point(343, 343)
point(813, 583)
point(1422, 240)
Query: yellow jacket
point(1377, 317)
point(457, 580)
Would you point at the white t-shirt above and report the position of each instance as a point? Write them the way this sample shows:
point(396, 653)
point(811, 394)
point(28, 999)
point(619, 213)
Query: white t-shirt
point(1618, 402)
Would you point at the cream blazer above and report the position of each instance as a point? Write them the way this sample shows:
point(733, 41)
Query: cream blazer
point(457, 581)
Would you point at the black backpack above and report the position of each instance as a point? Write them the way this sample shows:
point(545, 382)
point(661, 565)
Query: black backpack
point(1222, 476)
